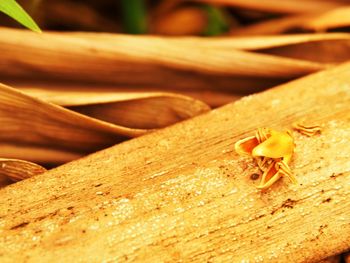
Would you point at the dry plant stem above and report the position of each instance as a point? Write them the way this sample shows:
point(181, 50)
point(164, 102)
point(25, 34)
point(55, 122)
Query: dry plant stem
point(18, 170)
point(183, 194)
point(155, 63)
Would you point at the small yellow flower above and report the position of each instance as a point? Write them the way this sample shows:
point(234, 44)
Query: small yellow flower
point(245, 146)
point(273, 151)
point(278, 145)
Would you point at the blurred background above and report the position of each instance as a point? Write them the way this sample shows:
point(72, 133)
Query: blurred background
point(185, 17)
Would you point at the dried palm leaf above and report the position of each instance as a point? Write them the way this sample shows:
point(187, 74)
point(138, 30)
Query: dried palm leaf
point(323, 48)
point(39, 124)
point(156, 62)
point(38, 154)
point(55, 92)
point(142, 110)
point(18, 170)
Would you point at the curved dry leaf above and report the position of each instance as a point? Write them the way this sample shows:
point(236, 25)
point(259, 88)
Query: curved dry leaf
point(143, 113)
point(37, 123)
point(56, 93)
point(327, 51)
point(280, 7)
point(27, 120)
point(141, 110)
point(37, 154)
point(155, 63)
point(18, 170)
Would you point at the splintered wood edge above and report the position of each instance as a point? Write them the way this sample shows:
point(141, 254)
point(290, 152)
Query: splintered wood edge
point(183, 193)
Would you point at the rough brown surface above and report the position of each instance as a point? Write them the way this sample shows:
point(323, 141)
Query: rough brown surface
point(183, 193)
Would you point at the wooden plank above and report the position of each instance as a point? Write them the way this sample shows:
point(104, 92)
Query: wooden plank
point(183, 193)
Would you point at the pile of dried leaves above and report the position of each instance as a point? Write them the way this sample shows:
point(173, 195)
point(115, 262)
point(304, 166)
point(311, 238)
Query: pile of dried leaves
point(68, 94)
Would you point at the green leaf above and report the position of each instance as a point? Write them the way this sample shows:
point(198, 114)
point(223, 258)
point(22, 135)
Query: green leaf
point(14, 10)
point(217, 22)
point(134, 16)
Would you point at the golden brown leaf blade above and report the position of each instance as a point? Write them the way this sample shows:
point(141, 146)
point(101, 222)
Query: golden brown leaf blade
point(156, 62)
point(18, 170)
point(68, 94)
point(35, 122)
point(141, 110)
point(41, 127)
point(38, 154)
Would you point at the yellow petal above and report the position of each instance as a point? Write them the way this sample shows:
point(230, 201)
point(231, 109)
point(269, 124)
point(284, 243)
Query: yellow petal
point(278, 145)
point(245, 146)
point(269, 177)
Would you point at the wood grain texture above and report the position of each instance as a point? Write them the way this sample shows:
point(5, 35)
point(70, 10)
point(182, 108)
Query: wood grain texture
point(183, 193)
